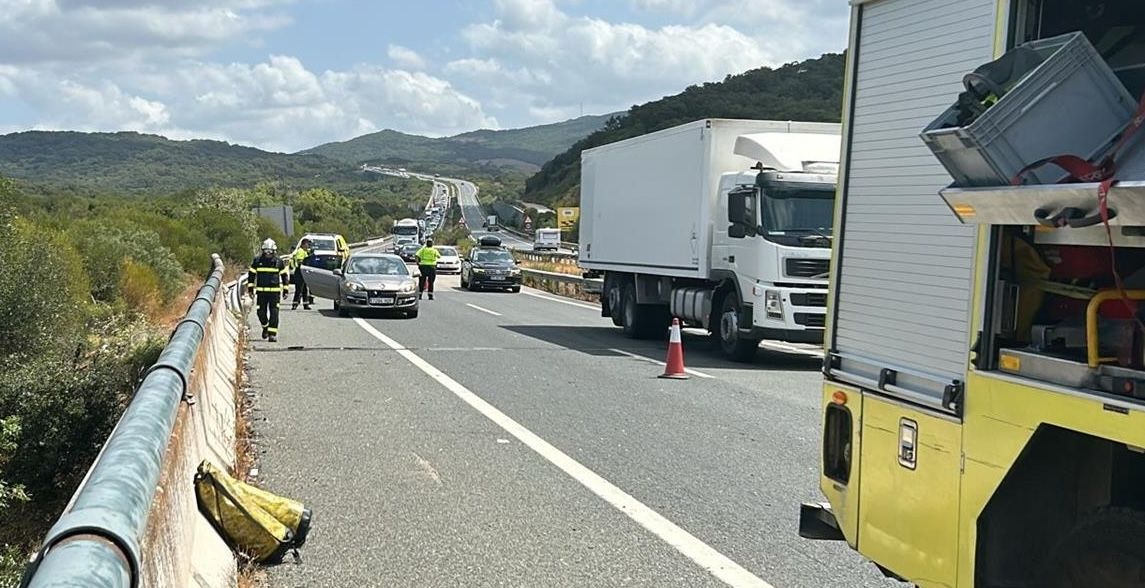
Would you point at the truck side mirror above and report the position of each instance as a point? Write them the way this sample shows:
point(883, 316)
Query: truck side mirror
point(741, 214)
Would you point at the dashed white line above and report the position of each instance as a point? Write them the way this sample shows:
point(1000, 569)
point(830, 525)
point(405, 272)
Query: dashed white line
point(568, 302)
point(650, 360)
point(485, 310)
point(714, 562)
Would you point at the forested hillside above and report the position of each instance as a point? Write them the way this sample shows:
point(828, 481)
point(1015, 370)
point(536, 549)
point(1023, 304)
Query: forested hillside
point(807, 91)
point(515, 148)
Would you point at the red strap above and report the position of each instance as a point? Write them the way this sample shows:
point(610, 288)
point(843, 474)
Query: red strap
point(1082, 170)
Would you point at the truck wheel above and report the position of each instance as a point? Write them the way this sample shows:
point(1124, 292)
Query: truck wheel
point(629, 313)
point(726, 332)
point(616, 306)
point(1104, 549)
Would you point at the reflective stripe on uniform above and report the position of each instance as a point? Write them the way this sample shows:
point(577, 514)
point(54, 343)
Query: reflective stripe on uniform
point(267, 270)
point(269, 289)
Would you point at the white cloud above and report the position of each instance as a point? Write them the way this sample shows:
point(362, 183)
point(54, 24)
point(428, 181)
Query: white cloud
point(535, 58)
point(52, 31)
point(278, 104)
point(406, 58)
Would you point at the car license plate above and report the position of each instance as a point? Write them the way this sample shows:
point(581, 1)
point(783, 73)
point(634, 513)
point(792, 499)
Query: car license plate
point(381, 300)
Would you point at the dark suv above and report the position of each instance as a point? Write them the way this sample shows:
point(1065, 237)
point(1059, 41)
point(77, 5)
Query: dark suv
point(489, 265)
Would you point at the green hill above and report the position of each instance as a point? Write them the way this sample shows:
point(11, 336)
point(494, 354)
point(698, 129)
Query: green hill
point(811, 91)
point(525, 148)
point(136, 164)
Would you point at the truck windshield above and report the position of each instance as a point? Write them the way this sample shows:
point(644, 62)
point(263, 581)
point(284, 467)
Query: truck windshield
point(405, 230)
point(798, 212)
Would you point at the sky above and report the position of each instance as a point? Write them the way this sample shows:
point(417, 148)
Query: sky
point(285, 75)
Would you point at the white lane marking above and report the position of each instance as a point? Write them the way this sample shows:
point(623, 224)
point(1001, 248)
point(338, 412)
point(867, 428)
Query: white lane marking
point(568, 302)
point(486, 310)
point(716, 563)
point(657, 362)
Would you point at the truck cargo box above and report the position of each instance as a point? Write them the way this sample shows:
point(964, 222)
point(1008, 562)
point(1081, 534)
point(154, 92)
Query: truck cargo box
point(647, 203)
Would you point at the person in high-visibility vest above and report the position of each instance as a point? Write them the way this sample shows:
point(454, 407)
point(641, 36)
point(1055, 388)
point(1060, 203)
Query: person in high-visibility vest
point(301, 292)
point(427, 258)
point(266, 281)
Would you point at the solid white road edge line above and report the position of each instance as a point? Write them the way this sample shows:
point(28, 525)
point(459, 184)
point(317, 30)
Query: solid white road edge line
point(485, 310)
point(568, 302)
point(657, 362)
point(716, 563)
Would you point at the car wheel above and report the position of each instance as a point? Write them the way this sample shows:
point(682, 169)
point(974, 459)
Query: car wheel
point(515, 289)
point(464, 282)
point(411, 314)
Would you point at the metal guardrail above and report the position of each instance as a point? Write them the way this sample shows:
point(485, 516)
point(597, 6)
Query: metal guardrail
point(587, 285)
point(97, 541)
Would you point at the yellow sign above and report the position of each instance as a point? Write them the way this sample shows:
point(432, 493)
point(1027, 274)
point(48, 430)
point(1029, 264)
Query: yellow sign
point(567, 217)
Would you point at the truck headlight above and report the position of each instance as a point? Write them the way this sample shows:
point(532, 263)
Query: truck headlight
point(773, 304)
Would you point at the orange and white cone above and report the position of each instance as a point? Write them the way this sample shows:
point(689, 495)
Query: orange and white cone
point(675, 366)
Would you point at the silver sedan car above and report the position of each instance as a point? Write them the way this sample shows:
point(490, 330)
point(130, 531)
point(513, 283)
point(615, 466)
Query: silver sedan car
point(367, 281)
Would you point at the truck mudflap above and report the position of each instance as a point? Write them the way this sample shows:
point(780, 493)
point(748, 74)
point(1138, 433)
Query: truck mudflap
point(816, 521)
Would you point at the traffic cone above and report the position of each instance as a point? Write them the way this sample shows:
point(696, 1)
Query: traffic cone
point(675, 366)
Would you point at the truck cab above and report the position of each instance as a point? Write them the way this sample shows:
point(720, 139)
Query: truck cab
point(778, 242)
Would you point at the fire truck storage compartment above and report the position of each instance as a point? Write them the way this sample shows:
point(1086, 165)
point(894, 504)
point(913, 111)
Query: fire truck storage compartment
point(1060, 312)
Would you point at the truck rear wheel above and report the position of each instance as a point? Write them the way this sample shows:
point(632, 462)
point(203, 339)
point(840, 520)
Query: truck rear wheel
point(726, 335)
point(1104, 549)
point(638, 322)
point(616, 305)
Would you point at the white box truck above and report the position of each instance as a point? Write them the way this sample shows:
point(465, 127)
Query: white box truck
point(724, 224)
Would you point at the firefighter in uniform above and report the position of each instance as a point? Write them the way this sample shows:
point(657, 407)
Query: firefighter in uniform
point(301, 292)
point(266, 280)
point(427, 265)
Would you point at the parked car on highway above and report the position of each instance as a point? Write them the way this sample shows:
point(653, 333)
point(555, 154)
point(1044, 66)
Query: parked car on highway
point(367, 281)
point(449, 262)
point(408, 251)
point(327, 260)
point(489, 265)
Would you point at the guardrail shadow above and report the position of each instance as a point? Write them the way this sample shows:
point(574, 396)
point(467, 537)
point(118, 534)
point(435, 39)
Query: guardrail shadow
point(698, 351)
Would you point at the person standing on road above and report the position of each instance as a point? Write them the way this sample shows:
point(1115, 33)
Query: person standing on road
point(266, 281)
point(301, 292)
point(427, 264)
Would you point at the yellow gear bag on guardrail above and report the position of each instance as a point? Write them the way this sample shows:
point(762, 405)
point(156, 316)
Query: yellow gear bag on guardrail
point(260, 524)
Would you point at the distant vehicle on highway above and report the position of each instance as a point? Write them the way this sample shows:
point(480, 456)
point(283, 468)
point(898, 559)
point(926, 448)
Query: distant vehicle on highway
point(449, 262)
point(367, 281)
point(326, 242)
point(547, 239)
point(408, 251)
point(489, 265)
point(407, 228)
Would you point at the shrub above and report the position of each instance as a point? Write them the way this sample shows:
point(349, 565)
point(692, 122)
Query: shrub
point(140, 288)
point(42, 295)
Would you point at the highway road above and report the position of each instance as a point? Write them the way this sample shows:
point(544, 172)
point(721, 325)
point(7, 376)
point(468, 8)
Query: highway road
point(475, 217)
point(520, 440)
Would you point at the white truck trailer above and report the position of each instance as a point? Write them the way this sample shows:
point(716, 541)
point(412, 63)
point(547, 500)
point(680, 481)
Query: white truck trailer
point(724, 224)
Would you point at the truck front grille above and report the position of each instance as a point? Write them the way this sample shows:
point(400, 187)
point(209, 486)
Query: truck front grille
point(806, 268)
point(810, 299)
point(810, 320)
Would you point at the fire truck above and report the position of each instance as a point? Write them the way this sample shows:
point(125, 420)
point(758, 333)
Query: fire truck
point(983, 402)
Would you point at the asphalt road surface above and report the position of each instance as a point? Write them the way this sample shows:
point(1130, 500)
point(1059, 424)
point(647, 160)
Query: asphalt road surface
point(475, 217)
point(520, 440)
